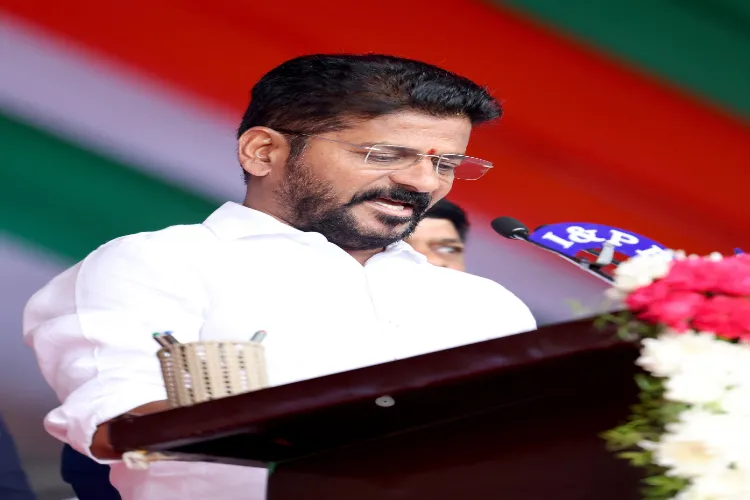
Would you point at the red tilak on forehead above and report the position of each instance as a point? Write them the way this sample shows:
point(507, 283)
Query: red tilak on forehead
point(431, 152)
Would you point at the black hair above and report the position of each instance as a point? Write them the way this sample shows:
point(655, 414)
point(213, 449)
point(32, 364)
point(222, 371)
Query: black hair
point(321, 93)
point(445, 209)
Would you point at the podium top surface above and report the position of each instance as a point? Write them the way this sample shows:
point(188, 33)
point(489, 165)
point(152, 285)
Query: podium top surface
point(295, 420)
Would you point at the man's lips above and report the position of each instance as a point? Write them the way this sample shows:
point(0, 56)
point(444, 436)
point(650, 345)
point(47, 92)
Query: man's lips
point(392, 207)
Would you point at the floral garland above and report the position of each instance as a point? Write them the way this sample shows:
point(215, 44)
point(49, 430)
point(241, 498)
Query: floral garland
point(690, 430)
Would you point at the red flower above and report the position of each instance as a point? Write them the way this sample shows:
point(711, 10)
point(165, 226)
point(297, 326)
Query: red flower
point(693, 275)
point(672, 308)
point(703, 294)
point(643, 297)
point(726, 316)
point(733, 276)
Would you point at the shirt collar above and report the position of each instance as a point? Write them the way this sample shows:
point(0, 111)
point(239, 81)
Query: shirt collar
point(233, 221)
point(401, 247)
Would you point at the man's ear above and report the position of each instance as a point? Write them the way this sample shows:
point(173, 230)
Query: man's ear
point(260, 149)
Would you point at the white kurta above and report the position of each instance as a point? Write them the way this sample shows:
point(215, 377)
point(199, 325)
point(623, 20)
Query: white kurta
point(239, 272)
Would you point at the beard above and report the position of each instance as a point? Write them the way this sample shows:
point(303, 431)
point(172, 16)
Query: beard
point(313, 206)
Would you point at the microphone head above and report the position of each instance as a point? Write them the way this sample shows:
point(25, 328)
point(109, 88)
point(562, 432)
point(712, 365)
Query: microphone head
point(510, 228)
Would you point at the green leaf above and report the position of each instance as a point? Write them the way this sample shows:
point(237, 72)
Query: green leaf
point(647, 423)
point(647, 383)
point(576, 306)
point(639, 459)
point(601, 322)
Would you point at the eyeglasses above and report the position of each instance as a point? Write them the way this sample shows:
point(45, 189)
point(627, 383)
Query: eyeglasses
point(390, 157)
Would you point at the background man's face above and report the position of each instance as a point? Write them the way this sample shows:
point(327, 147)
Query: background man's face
point(438, 240)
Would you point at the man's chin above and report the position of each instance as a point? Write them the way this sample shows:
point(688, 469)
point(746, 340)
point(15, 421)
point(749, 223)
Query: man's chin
point(386, 225)
point(393, 222)
point(388, 233)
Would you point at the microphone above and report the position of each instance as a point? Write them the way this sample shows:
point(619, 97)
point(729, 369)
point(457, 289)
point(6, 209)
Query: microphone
point(510, 228)
point(513, 229)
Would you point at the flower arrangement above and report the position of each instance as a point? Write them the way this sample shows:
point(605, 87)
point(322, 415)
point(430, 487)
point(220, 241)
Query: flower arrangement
point(690, 430)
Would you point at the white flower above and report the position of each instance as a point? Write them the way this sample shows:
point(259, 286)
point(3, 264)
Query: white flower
point(680, 255)
point(734, 440)
point(703, 443)
point(736, 401)
point(696, 388)
point(693, 447)
point(641, 271)
point(687, 458)
point(741, 364)
point(715, 256)
point(699, 368)
point(672, 353)
point(728, 484)
point(691, 493)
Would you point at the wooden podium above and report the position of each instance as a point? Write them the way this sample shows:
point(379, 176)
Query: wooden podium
point(515, 418)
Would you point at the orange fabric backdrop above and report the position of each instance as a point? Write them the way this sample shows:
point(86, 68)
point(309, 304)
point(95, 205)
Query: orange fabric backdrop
point(583, 138)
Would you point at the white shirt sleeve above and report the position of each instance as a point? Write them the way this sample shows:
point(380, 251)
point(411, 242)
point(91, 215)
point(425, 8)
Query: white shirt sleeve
point(91, 329)
point(490, 303)
point(521, 319)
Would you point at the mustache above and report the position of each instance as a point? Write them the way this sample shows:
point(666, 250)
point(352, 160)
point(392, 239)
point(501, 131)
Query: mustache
point(419, 201)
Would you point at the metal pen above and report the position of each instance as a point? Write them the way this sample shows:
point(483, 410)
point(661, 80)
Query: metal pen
point(170, 338)
point(161, 340)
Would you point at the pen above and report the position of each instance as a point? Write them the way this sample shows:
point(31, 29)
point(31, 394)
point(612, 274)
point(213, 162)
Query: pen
point(161, 340)
point(165, 339)
point(258, 336)
point(170, 338)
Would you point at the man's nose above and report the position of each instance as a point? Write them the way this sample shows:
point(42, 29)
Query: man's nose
point(420, 177)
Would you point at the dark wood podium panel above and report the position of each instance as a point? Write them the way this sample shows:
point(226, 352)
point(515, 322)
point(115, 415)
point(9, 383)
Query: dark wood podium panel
point(547, 447)
point(512, 418)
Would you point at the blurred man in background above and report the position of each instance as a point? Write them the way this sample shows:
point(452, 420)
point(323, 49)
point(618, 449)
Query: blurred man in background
point(88, 478)
point(13, 482)
point(441, 235)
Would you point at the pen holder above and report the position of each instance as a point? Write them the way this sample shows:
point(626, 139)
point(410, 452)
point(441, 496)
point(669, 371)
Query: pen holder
point(200, 371)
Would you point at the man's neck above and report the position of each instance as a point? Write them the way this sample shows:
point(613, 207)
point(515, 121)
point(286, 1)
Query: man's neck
point(261, 207)
point(360, 256)
point(363, 256)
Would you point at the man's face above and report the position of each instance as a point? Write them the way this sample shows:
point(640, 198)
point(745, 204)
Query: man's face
point(438, 240)
point(331, 190)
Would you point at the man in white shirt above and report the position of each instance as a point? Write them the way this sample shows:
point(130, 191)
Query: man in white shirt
point(343, 155)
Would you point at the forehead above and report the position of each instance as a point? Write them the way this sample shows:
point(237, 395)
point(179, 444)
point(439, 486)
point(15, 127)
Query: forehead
point(435, 229)
point(415, 130)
